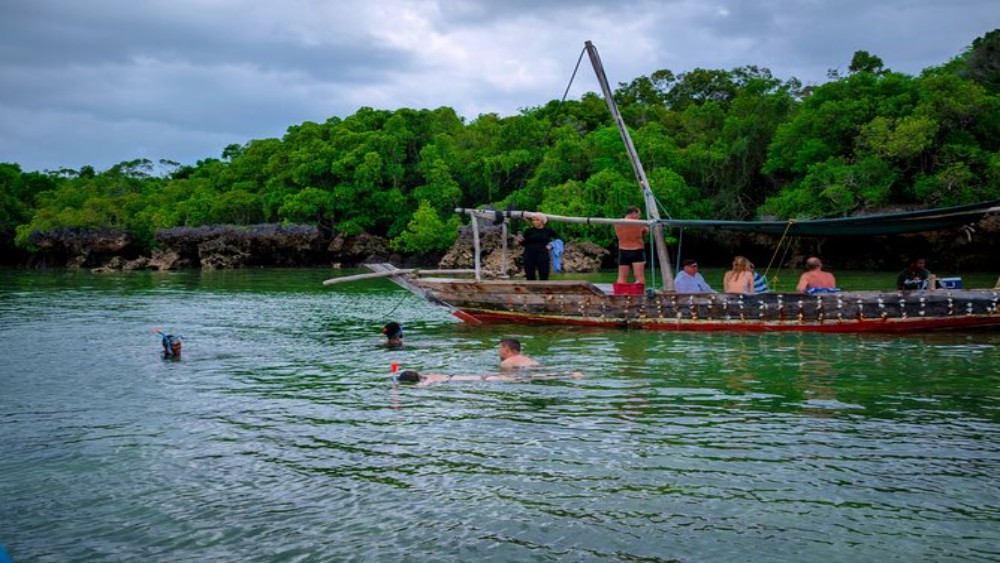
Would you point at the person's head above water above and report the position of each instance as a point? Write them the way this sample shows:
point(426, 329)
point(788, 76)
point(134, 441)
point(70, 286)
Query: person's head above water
point(408, 376)
point(393, 331)
point(172, 344)
point(175, 344)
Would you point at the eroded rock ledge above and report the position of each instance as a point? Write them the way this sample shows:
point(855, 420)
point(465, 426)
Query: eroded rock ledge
point(973, 248)
point(209, 248)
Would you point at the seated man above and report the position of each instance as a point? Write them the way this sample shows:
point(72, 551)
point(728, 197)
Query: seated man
point(914, 276)
point(815, 280)
point(689, 280)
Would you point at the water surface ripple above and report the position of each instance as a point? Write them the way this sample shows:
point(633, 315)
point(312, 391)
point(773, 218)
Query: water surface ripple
point(280, 437)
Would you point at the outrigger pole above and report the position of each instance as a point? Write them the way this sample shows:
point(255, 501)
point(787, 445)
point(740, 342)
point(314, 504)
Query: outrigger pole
point(652, 213)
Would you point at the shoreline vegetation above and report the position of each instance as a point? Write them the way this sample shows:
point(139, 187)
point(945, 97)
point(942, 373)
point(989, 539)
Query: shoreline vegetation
point(381, 185)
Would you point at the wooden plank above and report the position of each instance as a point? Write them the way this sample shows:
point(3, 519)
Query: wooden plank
point(392, 271)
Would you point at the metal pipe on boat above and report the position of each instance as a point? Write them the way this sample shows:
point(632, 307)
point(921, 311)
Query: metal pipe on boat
point(475, 245)
point(484, 214)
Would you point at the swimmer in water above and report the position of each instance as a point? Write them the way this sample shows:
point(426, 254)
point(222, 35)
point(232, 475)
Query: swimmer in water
point(172, 344)
point(411, 376)
point(511, 356)
point(393, 332)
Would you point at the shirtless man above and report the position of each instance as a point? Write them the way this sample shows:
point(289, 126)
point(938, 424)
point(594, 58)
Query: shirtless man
point(511, 357)
point(815, 277)
point(631, 248)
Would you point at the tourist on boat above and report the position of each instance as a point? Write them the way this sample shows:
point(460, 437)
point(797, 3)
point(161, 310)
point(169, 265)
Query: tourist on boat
point(410, 376)
point(740, 278)
point(815, 280)
point(914, 276)
point(689, 280)
point(631, 248)
point(511, 356)
point(172, 344)
point(393, 332)
point(537, 241)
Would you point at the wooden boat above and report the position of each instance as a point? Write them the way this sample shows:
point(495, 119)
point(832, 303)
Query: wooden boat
point(575, 302)
point(584, 303)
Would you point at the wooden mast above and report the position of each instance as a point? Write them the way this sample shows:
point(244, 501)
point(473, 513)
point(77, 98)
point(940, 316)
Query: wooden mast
point(640, 174)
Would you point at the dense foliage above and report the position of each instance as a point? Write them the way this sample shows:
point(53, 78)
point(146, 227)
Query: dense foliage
point(734, 144)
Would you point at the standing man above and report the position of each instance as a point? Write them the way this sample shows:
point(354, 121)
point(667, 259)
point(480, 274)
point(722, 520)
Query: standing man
point(814, 277)
point(689, 280)
point(632, 248)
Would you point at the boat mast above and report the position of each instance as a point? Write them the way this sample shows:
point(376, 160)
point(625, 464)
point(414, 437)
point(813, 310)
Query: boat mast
point(652, 212)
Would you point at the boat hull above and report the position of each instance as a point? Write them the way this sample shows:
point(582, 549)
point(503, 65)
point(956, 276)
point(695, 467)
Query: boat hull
point(587, 304)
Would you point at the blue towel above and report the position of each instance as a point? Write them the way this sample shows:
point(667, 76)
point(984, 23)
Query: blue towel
point(557, 252)
point(815, 290)
point(760, 284)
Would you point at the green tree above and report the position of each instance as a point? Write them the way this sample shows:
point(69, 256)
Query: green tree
point(982, 62)
point(310, 206)
point(440, 191)
point(426, 232)
point(863, 61)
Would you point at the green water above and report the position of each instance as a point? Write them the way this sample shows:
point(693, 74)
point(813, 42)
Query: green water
point(280, 437)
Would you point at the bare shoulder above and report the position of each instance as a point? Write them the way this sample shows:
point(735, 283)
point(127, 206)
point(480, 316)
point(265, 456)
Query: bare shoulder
point(517, 362)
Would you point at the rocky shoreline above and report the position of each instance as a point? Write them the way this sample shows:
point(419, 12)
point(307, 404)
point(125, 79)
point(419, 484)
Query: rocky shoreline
point(973, 248)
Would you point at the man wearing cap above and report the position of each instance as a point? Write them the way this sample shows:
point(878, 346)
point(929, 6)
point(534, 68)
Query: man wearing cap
point(689, 280)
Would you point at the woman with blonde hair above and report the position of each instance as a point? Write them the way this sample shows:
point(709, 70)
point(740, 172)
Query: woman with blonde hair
point(740, 278)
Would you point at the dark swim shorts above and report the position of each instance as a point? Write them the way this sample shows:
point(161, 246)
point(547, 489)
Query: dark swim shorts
point(629, 257)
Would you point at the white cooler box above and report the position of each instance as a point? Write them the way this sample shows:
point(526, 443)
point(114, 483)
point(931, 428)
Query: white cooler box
point(950, 283)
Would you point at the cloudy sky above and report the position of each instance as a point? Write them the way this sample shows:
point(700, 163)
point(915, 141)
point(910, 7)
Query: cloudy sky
point(97, 82)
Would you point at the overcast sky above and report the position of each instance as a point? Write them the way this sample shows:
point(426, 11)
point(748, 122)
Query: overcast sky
point(97, 82)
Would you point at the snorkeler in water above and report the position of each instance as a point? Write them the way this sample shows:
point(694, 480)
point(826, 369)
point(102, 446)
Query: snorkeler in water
point(393, 332)
point(411, 376)
point(172, 344)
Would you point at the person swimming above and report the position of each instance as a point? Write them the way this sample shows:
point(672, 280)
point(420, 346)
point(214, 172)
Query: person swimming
point(172, 344)
point(411, 376)
point(511, 356)
point(393, 332)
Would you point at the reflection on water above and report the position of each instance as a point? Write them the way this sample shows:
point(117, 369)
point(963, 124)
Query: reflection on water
point(280, 436)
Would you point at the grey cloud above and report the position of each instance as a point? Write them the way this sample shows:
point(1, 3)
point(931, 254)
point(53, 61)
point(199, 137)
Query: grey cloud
point(93, 82)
